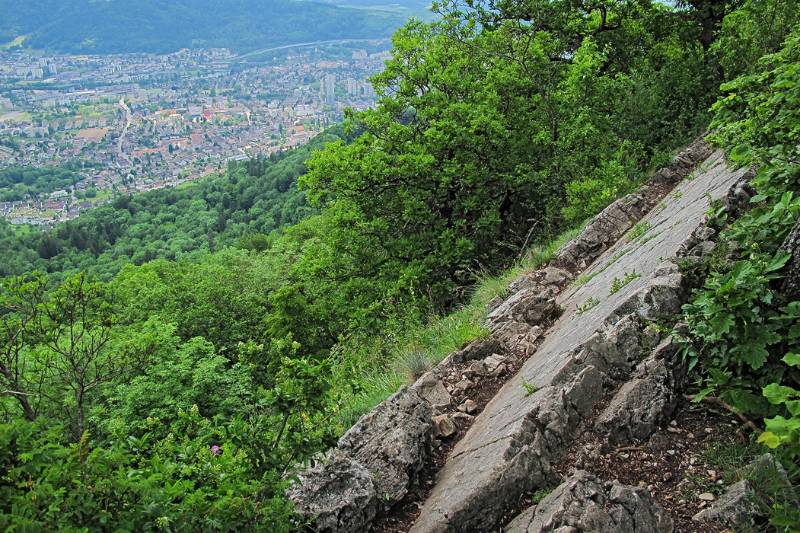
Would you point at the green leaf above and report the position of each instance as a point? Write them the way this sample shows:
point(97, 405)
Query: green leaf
point(740, 154)
point(777, 263)
point(754, 355)
point(721, 323)
point(697, 398)
point(769, 439)
point(778, 394)
point(791, 359)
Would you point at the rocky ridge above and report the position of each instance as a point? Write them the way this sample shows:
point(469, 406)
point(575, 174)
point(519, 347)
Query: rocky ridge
point(573, 350)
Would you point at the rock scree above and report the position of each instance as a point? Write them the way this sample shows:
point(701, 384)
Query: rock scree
point(581, 332)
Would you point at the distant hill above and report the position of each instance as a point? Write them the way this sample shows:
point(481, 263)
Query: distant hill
point(119, 26)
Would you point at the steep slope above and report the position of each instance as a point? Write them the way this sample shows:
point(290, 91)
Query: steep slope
point(569, 367)
point(511, 445)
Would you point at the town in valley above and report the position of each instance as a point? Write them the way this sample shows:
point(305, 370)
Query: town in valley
point(136, 122)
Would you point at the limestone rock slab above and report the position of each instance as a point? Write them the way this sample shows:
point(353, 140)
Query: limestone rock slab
point(648, 399)
point(374, 464)
point(583, 504)
point(517, 437)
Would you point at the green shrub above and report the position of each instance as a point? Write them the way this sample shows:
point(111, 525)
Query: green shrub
point(744, 334)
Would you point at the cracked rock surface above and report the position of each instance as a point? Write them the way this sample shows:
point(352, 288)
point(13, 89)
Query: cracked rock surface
point(513, 443)
point(648, 399)
point(373, 465)
point(584, 504)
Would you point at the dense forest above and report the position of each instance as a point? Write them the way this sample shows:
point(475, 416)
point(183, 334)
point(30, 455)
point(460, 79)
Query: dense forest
point(116, 26)
point(19, 183)
point(239, 207)
point(177, 353)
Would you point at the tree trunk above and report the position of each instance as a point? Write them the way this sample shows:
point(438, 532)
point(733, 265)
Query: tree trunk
point(19, 394)
point(79, 396)
point(791, 283)
point(30, 415)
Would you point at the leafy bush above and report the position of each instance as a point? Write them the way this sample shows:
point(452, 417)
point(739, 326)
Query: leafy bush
point(744, 334)
point(196, 478)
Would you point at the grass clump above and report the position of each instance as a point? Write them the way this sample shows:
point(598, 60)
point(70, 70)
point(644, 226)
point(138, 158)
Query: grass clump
point(416, 363)
point(618, 283)
point(529, 388)
point(583, 279)
point(540, 495)
point(638, 230)
point(590, 303)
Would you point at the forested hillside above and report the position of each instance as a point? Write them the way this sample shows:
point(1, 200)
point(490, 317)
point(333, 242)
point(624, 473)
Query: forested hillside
point(177, 394)
point(116, 26)
point(18, 183)
point(239, 207)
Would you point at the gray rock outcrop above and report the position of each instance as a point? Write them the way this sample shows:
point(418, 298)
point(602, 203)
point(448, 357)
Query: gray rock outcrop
point(791, 283)
point(648, 399)
point(599, 339)
point(373, 465)
point(583, 504)
point(744, 504)
point(736, 508)
point(337, 494)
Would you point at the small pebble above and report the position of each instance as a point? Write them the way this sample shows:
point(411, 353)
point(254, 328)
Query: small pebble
point(706, 497)
point(468, 406)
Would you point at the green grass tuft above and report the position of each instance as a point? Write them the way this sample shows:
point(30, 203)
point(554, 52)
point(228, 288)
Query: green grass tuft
point(638, 230)
point(383, 365)
point(618, 284)
point(590, 303)
point(529, 388)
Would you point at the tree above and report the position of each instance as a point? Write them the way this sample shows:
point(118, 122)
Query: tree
point(20, 300)
point(76, 327)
